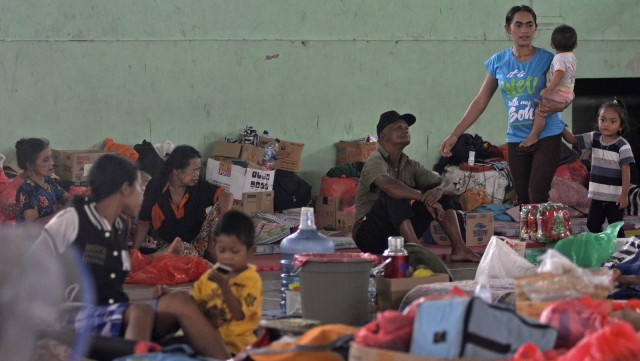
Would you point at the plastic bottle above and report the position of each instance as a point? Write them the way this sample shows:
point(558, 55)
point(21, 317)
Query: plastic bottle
point(398, 266)
point(270, 154)
point(306, 239)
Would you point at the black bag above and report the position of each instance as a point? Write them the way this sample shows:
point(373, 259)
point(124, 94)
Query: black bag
point(290, 191)
point(148, 159)
point(460, 151)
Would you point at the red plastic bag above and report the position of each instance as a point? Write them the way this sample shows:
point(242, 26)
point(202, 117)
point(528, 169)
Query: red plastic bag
point(343, 188)
point(168, 269)
point(530, 352)
point(391, 330)
point(575, 171)
point(574, 318)
point(616, 342)
point(8, 208)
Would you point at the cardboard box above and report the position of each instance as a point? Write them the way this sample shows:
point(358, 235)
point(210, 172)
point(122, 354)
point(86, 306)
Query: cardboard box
point(256, 202)
point(364, 353)
point(391, 291)
point(224, 151)
point(237, 179)
point(288, 156)
point(74, 165)
point(329, 215)
point(351, 152)
point(478, 230)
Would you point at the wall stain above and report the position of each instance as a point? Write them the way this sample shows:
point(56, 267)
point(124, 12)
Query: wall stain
point(270, 57)
point(207, 110)
point(634, 65)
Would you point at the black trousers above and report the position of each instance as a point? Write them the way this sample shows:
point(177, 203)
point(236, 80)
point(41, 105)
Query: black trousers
point(384, 218)
point(532, 168)
point(601, 210)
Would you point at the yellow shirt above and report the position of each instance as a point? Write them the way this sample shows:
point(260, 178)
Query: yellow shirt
point(247, 288)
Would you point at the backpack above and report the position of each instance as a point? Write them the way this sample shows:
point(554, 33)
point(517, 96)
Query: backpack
point(290, 191)
point(466, 328)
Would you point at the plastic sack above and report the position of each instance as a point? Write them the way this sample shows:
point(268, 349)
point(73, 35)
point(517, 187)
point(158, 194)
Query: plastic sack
point(109, 145)
point(167, 269)
point(8, 208)
point(4, 180)
point(391, 330)
point(474, 198)
point(616, 342)
point(553, 222)
point(574, 195)
point(501, 261)
point(588, 249)
point(528, 221)
point(342, 187)
point(574, 318)
point(575, 172)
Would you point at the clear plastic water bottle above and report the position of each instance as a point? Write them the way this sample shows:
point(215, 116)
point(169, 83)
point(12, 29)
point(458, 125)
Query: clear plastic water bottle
point(306, 239)
point(270, 154)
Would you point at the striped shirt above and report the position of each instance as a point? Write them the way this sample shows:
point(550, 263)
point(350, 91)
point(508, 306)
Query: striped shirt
point(607, 159)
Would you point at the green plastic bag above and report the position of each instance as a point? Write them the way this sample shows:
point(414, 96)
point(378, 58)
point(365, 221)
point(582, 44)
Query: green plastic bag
point(588, 249)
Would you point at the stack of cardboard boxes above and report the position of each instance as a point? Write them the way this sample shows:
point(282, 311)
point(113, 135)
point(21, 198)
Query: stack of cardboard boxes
point(331, 213)
point(238, 167)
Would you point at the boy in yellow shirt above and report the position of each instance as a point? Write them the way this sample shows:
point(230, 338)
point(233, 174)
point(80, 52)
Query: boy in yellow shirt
point(230, 294)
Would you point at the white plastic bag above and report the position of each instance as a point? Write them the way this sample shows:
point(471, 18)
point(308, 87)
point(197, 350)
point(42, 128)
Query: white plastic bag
point(501, 261)
point(164, 149)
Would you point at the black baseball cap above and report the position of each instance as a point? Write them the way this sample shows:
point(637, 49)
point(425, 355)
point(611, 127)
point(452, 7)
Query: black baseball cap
point(391, 116)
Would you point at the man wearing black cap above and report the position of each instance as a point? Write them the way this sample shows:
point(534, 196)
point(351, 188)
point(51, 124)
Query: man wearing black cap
point(389, 181)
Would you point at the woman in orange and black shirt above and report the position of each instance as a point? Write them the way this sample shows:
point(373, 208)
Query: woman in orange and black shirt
point(175, 204)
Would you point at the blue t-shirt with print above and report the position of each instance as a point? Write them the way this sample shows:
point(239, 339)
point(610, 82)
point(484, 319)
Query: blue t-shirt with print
point(520, 83)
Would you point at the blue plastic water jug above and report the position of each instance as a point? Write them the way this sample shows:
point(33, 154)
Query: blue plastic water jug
point(306, 239)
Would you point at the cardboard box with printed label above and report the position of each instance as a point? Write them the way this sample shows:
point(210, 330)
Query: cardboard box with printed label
point(237, 179)
point(351, 152)
point(478, 230)
point(255, 202)
point(74, 165)
point(329, 215)
point(391, 291)
point(289, 154)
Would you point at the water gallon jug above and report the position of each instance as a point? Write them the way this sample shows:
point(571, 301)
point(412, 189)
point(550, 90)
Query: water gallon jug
point(306, 239)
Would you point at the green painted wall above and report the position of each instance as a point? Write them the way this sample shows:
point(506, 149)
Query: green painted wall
point(77, 71)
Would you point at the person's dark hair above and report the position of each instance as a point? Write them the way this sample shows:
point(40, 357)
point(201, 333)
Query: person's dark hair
point(564, 38)
point(618, 105)
point(179, 159)
point(238, 224)
point(108, 174)
point(516, 9)
point(28, 149)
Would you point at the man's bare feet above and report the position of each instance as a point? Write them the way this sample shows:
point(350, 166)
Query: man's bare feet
point(465, 255)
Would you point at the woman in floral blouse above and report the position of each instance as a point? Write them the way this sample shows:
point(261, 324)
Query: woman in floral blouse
point(39, 197)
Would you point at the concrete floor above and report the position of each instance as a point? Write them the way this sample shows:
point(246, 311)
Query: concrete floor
point(271, 284)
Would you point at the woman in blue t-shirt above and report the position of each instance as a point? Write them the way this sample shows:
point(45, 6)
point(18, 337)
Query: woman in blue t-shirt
point(520, 74)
